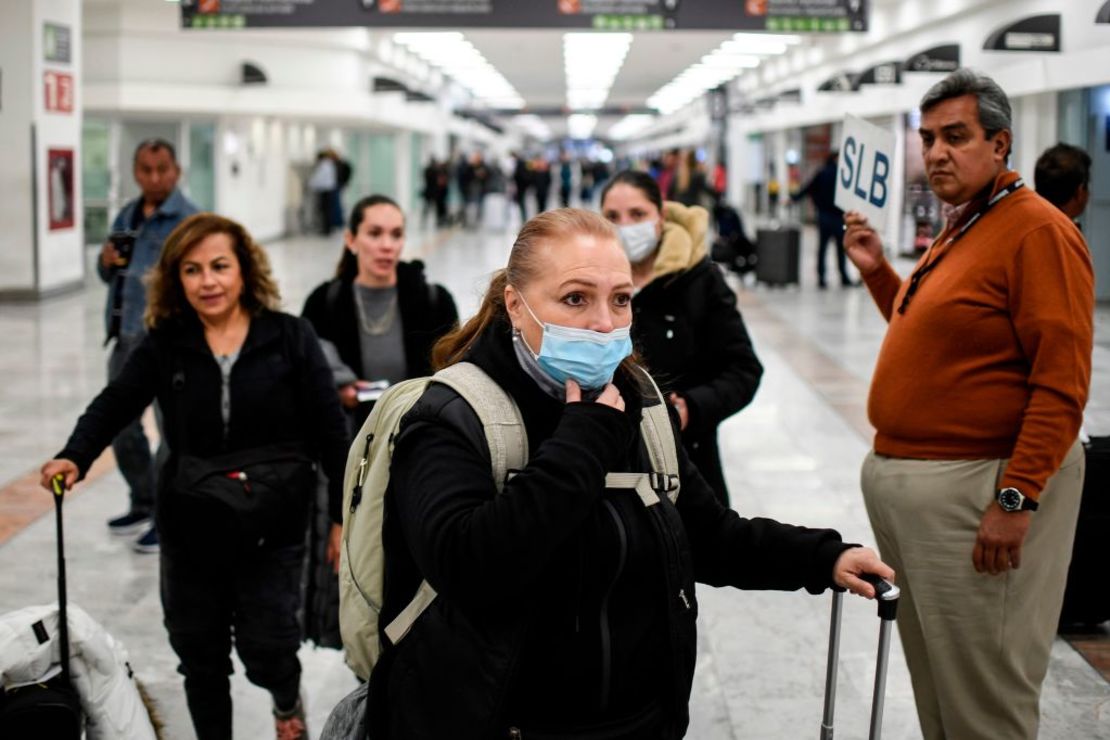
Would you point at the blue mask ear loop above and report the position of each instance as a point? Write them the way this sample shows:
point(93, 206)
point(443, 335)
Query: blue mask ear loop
point(528, 308)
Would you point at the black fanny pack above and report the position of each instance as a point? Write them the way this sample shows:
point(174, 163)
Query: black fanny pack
point(265, 489)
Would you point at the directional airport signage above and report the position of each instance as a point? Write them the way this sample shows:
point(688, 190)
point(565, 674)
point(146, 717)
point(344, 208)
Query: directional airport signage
point(864, 175)
point(1038, 33)
point(780, 16)
point(943, 58)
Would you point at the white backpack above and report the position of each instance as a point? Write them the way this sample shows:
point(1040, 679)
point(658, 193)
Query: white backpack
point(362, 557)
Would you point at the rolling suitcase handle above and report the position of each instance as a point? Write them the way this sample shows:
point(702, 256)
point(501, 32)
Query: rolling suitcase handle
point(58, 485)
point(886, 593)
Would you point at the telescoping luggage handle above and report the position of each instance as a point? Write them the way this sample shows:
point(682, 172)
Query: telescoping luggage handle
point(886, 593)
point(58, 484)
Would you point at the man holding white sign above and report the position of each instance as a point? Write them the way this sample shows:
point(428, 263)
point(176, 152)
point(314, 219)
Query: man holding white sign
point(976, 399)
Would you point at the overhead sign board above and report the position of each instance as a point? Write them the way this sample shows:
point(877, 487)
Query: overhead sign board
point(889, 73)
point(1038, 33)
point(781, 16)
point(840, 82)
point(944, 58)
point(864, 171)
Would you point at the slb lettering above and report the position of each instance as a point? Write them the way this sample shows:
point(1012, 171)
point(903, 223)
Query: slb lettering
point(851, 172)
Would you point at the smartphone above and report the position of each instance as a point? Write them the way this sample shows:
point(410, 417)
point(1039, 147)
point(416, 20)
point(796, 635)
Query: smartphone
point(124, 242)
point(372, 390)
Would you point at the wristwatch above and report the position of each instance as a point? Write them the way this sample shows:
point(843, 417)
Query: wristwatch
point(1011, 499)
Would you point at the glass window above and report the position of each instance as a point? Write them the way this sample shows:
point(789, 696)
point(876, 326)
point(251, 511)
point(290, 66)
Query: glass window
point(201, 184)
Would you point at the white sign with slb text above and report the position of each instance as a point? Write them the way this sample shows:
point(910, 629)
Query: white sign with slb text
point(864, 171)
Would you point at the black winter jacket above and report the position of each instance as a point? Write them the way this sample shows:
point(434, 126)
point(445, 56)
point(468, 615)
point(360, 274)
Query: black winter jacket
point(427, 313)
point(561, 604)
point(281, 391)
point(691, 337)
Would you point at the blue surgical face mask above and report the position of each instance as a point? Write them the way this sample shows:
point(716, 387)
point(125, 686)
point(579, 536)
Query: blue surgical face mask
point(587, 357)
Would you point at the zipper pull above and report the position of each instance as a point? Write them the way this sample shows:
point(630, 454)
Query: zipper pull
point(682, 595)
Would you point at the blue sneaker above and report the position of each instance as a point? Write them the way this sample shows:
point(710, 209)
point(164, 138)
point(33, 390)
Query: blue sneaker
point(129, 525)
point(148, 543)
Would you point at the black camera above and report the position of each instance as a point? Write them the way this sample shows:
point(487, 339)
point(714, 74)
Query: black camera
point(124, 243)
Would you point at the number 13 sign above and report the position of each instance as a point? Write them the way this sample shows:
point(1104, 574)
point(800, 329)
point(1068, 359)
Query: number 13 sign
point(58, 92)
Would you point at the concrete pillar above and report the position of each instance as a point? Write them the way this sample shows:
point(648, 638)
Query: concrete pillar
point(40, 146)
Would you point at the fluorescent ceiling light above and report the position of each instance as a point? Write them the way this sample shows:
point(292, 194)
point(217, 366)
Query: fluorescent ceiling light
point(630, 125)
point(723, 64)
point(591, 62)
point(580, 125)
point(534, 126)
point(452, 54)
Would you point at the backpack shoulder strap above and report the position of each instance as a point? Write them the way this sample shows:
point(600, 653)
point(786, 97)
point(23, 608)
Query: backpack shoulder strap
point(662, 448)
point(507, 440)
point(506, 436)
point(658, 434)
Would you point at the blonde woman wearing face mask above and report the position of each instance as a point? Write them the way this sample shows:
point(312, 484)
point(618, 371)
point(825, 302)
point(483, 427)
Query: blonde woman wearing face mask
point(687, 327)
point(566, 606)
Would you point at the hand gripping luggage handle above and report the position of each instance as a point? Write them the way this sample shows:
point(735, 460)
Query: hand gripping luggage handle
point(58, 484)
point(886, 594)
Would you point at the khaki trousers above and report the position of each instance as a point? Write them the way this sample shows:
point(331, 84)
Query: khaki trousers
point(977, 645)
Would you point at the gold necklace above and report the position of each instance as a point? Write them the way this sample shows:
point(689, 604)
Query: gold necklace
point(376, 326)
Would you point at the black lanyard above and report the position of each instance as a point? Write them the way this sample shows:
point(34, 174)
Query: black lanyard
point(928, 265)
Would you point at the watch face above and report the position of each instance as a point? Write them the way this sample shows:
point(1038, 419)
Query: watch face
point(1009, 499)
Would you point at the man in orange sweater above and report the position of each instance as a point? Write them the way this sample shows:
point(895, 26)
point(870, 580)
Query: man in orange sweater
point(974, 482)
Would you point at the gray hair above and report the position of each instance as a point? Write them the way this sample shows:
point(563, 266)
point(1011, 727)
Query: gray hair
point(994, 106)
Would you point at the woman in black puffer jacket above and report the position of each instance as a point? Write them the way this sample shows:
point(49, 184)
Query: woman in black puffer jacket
point(685, 321)
point(377, 321)
point(379, 315)
point(565, 608)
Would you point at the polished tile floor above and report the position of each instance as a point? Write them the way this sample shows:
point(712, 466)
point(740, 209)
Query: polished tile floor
point(794, 454)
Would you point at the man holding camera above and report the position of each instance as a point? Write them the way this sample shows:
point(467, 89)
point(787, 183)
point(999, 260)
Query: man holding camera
point(133, 247)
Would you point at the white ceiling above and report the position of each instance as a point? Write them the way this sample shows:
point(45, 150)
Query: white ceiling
point(532, 61)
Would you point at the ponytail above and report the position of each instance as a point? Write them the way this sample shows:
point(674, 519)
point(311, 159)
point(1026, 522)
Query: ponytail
point(452, 347)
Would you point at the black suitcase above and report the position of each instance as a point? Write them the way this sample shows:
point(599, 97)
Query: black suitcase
point(51, 709)
point(732, 247)
point(1085, 602)
point(777, 256)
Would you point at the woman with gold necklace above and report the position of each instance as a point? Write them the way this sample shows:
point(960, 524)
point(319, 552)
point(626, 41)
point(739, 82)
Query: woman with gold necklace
point(380, 315)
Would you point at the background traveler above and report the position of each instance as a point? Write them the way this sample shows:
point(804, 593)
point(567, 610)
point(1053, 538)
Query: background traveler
point(377, 320)
point(139, 229)
point(821, 189)
point(687, 326)
point(1063, 178)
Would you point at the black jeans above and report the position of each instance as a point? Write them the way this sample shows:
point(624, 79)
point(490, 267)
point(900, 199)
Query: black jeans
point(834, 232)
point(251, 594)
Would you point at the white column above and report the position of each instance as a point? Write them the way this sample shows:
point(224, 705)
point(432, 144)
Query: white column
point(1034, 130)
point(402, 167)
point(40, 146)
